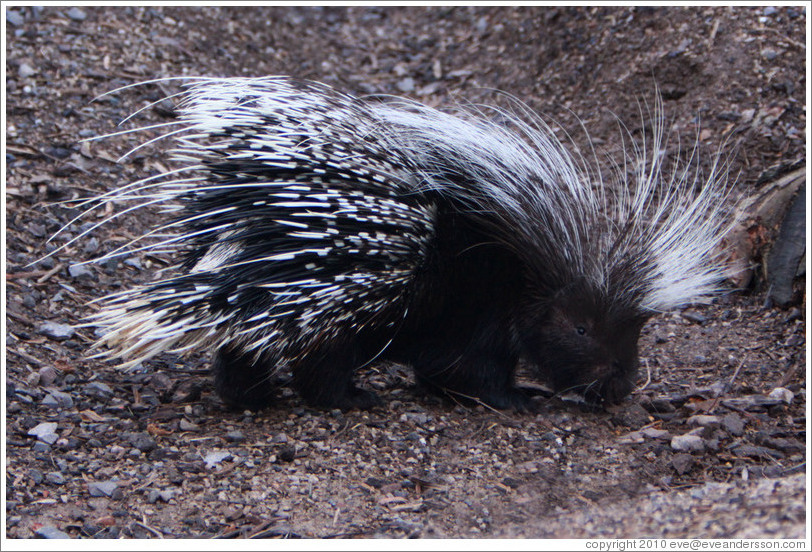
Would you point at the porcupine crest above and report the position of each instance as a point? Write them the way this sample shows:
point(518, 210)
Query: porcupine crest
point(307, 214)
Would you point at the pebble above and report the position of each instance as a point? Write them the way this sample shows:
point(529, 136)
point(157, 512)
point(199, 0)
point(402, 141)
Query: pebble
point(186, 425)
point(45, 432)
point(417, 418)
point(142, 441)
point(235, 436)
point(654, 433)
point(91, 246)
point(782, 394)
point(98, 390)
point(102, 488)
point(734, 424)
point(682, 462)
point(134, 262)
point(51, 532)
point(41, 446)
point(81, 271)
point(76, 14)
point(703, 420)
point(406, 85)
point(769, 54)
point(215, 457)
point(26, 71)
point(47, 376)
point(155, 495)
point(57, 399)
point(287, 453)
point(55, 478)
point(687, 443)
point(57, 331)
point(15, 17)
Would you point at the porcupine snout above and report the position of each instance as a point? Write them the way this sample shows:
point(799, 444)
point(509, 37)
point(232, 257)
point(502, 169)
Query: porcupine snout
point(612, 382)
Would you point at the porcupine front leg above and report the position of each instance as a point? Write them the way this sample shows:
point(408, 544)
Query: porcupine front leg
point(459, 340)
point(241, 381)
point(479, 366)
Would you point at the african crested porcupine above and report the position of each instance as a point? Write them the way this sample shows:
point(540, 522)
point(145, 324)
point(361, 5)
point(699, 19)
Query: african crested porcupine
point(326, 232)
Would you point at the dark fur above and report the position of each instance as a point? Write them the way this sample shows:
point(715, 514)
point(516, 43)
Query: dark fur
point(473, 313)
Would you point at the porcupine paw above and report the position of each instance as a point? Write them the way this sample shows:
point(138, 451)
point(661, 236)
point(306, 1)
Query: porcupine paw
point(511, 398)
point(358, 398)
point(241, 383)
point(332, 397)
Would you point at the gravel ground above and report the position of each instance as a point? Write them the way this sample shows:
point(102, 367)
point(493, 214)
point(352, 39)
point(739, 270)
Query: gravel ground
point(713, 445)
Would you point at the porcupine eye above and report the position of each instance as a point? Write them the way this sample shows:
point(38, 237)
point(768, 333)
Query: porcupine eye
point(580, 330)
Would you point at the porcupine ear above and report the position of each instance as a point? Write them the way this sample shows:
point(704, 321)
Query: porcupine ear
point(666, 248)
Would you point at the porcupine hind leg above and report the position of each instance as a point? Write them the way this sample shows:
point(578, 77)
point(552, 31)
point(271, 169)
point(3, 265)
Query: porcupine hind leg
point(241, 381)
point(324, 378)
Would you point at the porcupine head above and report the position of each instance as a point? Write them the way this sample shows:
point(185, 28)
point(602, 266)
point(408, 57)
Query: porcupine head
point(581, 319)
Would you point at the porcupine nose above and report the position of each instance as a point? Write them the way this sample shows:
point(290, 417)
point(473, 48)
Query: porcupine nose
point(616, 382)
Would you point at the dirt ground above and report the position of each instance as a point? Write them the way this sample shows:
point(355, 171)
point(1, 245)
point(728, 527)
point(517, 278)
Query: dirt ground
point(96, 451)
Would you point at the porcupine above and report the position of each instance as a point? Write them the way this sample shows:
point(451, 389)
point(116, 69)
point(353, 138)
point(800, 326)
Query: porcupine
point(326, 232)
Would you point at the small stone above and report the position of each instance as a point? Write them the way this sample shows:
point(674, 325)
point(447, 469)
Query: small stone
point(694, 317)
point(214, 458)
point(654, 433)
point(57, 399)
point(57, 331)
point(287, 453)
point(734, 424)
point(81, 271)
point(55, 478)
point(47, 376)
point(782, 394)
point(91, 246)
point(235, 436)
point(14, 17)
point(51, 532)
point(41, 446)
point(682, 463)
point(406, 85)
point(45, 432)
point(757, 452)
point(142, 441)
point(687, 443)
point(98, 390)
point(701, 420)
point(631, 438)
point(134, 262)
point(102, 488)
point(186, 425)
point(76, 14)
point(769, 54)
point(26, 71)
